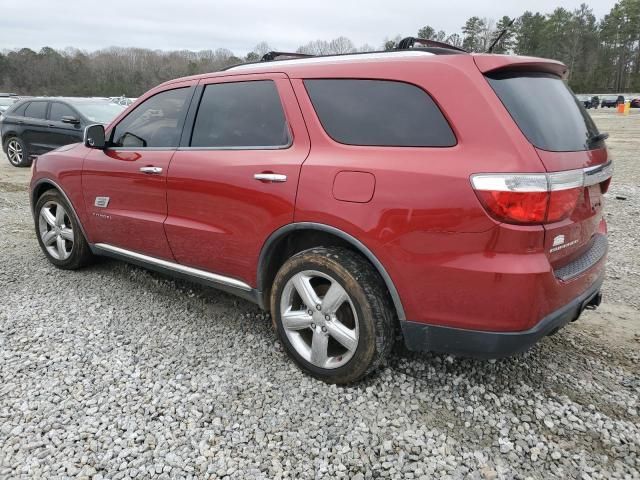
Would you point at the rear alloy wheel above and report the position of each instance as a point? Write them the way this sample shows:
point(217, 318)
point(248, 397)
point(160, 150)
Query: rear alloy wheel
point(59, 233)
point(319, 319)
point(17, 153)
point(333, 314)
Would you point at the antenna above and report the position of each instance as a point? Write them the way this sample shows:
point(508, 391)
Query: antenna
point(500, 35)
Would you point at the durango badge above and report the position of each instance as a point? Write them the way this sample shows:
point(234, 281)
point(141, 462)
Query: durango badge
point(558, 244)
point(559, 240)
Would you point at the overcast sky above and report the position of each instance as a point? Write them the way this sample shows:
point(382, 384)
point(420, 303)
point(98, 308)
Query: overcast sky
point(239, 25)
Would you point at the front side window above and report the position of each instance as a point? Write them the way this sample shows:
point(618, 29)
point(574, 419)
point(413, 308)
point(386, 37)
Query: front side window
point(379, 113)
point(59, 110)
point(240, 115)
point(36, 110)
point(155, 123)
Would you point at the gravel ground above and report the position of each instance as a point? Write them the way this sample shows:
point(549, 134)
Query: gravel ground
point(116, 372)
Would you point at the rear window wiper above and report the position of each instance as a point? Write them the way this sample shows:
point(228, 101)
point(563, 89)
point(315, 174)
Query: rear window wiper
point(599, 137)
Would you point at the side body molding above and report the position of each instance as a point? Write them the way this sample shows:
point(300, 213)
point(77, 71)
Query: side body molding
point(272, 241)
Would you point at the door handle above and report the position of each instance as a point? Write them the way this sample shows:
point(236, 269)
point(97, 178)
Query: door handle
point(270, 177)
point(151, 170)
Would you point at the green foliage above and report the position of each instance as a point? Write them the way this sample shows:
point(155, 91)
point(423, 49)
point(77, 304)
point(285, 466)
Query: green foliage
point(427, 32)
point(473, 34)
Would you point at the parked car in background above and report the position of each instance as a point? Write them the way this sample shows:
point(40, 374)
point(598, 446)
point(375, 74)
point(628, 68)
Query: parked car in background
point(37, 125)
point(612, 101)
point(589, 101)
point(585, 100)
point(354, 197)
point(124, 101)
point(635, 103)
point(6, 100)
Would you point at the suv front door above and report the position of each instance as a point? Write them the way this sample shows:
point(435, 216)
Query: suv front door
point(233, 181)
point(124, 185)
point(35, 128)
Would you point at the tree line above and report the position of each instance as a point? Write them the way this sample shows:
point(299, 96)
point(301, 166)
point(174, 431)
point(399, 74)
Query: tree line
point(603, 55)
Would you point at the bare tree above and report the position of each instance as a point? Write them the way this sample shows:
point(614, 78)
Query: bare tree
point(341, 45)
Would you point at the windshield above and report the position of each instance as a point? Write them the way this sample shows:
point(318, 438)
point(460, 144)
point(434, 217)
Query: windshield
point(546, 111)
point(99, 112)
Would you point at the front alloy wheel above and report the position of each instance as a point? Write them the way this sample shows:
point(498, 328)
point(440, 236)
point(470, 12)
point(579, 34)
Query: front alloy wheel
point(59, 233)
point(56, 230)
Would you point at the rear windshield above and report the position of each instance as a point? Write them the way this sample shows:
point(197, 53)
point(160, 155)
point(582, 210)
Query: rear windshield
point(546, 111)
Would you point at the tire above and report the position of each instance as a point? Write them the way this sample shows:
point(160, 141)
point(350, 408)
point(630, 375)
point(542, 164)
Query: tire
point(17, 152)
point(59, 233)
point(349, 332)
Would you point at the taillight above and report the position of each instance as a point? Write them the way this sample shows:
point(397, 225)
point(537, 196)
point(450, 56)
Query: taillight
point(529, 198)
point(515, 207)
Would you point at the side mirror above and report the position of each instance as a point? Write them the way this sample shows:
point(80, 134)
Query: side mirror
point(94, 136)
point(70, 119)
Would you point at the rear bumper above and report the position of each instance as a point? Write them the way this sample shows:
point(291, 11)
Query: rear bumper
point(483, 344)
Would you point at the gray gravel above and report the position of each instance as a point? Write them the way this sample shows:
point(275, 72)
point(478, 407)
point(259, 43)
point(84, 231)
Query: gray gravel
point(116, 372)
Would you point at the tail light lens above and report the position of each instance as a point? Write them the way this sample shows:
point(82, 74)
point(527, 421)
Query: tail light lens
point(529, 199)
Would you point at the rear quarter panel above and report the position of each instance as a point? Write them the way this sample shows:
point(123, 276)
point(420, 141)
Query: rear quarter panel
point(424, 222)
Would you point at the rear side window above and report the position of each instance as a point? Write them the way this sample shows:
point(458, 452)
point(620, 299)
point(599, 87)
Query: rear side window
point(379, 113)
point(547, 112)
point(59, 110)
point(36, 110)
point(240, 115)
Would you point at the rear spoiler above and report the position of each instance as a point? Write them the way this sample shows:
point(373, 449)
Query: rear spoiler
point(493, 63)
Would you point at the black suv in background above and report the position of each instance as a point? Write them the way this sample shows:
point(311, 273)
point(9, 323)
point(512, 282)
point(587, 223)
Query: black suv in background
point(37, 125)
point(611, 101)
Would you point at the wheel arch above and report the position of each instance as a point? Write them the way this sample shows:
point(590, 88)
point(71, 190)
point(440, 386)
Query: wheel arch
point(5, 138)
point(42, 186)
point(277, 242)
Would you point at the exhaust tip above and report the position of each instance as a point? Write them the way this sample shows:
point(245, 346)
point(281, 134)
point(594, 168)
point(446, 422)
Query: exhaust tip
point(594, 302)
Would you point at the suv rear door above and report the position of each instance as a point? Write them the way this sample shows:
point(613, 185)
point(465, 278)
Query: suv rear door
point(233, 181)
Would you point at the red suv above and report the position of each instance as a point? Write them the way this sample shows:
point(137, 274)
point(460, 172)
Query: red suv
point(454, 199)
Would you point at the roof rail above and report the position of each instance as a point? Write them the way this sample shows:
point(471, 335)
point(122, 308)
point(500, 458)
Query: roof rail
point(271, 56)
point(409, 42)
